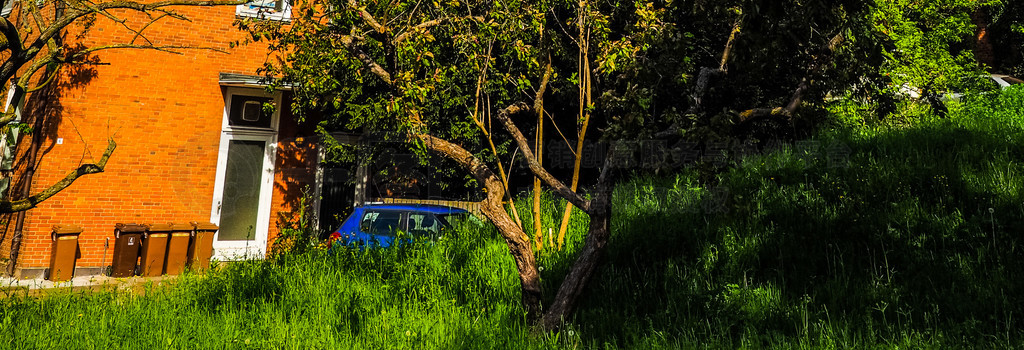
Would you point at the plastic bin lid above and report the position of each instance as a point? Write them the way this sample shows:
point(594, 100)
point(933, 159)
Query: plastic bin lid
point(205, 226)
point(180, 227)
point(66, 229)
point(130, 227)
point(160, 227)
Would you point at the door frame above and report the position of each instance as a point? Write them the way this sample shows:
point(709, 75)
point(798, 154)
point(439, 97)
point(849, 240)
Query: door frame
point(256, 248)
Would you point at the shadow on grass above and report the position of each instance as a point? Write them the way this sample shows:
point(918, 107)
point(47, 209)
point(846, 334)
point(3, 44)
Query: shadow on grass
point(901, 242)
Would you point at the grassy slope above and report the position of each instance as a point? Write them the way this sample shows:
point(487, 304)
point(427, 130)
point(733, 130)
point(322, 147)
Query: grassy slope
point(897, 249)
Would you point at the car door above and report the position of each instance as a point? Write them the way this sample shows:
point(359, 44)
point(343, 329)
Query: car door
point(423, 225)
point(382, 225)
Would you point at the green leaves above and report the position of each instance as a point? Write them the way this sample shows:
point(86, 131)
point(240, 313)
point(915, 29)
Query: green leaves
point(928, 41)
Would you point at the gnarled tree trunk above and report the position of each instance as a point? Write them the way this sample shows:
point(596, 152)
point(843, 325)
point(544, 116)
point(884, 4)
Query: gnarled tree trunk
point(582, 270)
point(517, 240)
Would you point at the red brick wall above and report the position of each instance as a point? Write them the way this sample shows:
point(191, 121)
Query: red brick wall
point(165, 111)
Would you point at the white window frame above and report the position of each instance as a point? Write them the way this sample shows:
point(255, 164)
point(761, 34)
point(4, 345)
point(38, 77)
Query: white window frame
point(256, 248)
point(8, 8)
point(9, 140)
point(244, 10)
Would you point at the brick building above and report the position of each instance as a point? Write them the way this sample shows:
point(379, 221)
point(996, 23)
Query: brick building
point(194, 143)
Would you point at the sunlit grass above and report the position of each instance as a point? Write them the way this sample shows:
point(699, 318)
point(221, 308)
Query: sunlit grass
point(914, 242)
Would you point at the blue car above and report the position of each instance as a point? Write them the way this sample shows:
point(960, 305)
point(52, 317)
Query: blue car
point(379, 224)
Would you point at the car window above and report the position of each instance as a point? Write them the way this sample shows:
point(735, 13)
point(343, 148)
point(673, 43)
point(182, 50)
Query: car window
point(454, 219)
point(380, 222)
point(424, 225)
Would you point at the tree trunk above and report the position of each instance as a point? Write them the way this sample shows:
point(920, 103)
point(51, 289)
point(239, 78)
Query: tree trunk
point(583, 269)
point(538, 229)
point(538, 106)
point(584, 117)
point(517, 240)
point(983, 51)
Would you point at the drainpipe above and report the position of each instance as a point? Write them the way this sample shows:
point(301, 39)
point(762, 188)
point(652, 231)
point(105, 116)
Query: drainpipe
point(26, 191)
point(26, 188)
point(30, 168)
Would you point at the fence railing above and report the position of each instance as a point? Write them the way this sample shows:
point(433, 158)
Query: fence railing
point(472, 207)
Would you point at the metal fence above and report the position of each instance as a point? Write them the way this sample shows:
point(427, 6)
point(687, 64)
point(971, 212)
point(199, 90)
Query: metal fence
point(472, 207)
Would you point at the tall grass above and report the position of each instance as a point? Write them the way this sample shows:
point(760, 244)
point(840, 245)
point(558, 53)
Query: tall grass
point(910, 241)
point(914, 242)
point(455, 293)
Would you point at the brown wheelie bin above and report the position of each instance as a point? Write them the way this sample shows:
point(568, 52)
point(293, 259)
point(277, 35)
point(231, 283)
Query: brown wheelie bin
point(177, 248)
point(200, 248)
point(63, 252)
point(154, 249)
point(127, 246)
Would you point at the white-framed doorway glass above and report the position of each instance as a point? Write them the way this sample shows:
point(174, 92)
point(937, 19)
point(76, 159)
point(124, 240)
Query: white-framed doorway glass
point(243, 189)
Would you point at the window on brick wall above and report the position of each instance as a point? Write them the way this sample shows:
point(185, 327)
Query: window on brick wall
point(251, 111)
point(278, 10)
point(8, 7)
point(9, 138)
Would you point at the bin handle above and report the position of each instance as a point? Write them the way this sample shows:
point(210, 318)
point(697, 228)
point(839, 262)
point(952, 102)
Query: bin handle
point(53, 236)
point(117, 233)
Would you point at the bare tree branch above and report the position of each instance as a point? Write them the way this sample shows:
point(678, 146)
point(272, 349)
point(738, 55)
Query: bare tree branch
point(12, 36)
point(164, 48)
point(84, 169)
point(138, 34)
point(65, 20)
point(535, 167)
point(587, 259)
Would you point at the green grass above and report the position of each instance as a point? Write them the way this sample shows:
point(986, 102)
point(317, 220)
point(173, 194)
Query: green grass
point(896, 250)
point(453, 294)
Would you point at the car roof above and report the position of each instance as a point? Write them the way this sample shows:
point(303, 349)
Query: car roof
point(427, 208)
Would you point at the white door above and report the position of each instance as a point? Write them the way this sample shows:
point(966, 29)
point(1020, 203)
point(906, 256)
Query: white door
point(245, 175)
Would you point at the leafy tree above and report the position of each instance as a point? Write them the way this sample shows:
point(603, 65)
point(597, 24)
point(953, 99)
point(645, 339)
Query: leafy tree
point(932, 43)
point(440, 75)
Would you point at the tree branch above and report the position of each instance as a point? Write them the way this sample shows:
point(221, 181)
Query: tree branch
point(164, 48)
point(84, 169)
point(517, 240)
point(14, 43)
point(794, 103)
point(704, 79)
point(538, 100)
point(586, 262)
point(350, 42)
point(426, 25)
point(798, 94)
point(535, 167)
point(367, 17)
point(736, 26)
point(62, 22)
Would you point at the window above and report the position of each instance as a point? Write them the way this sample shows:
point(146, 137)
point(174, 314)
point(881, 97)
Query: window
point(9, 139)
point(424, 225)
point(8, 7)
point(381, 222)
point(251, 111)
point(278, 10)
